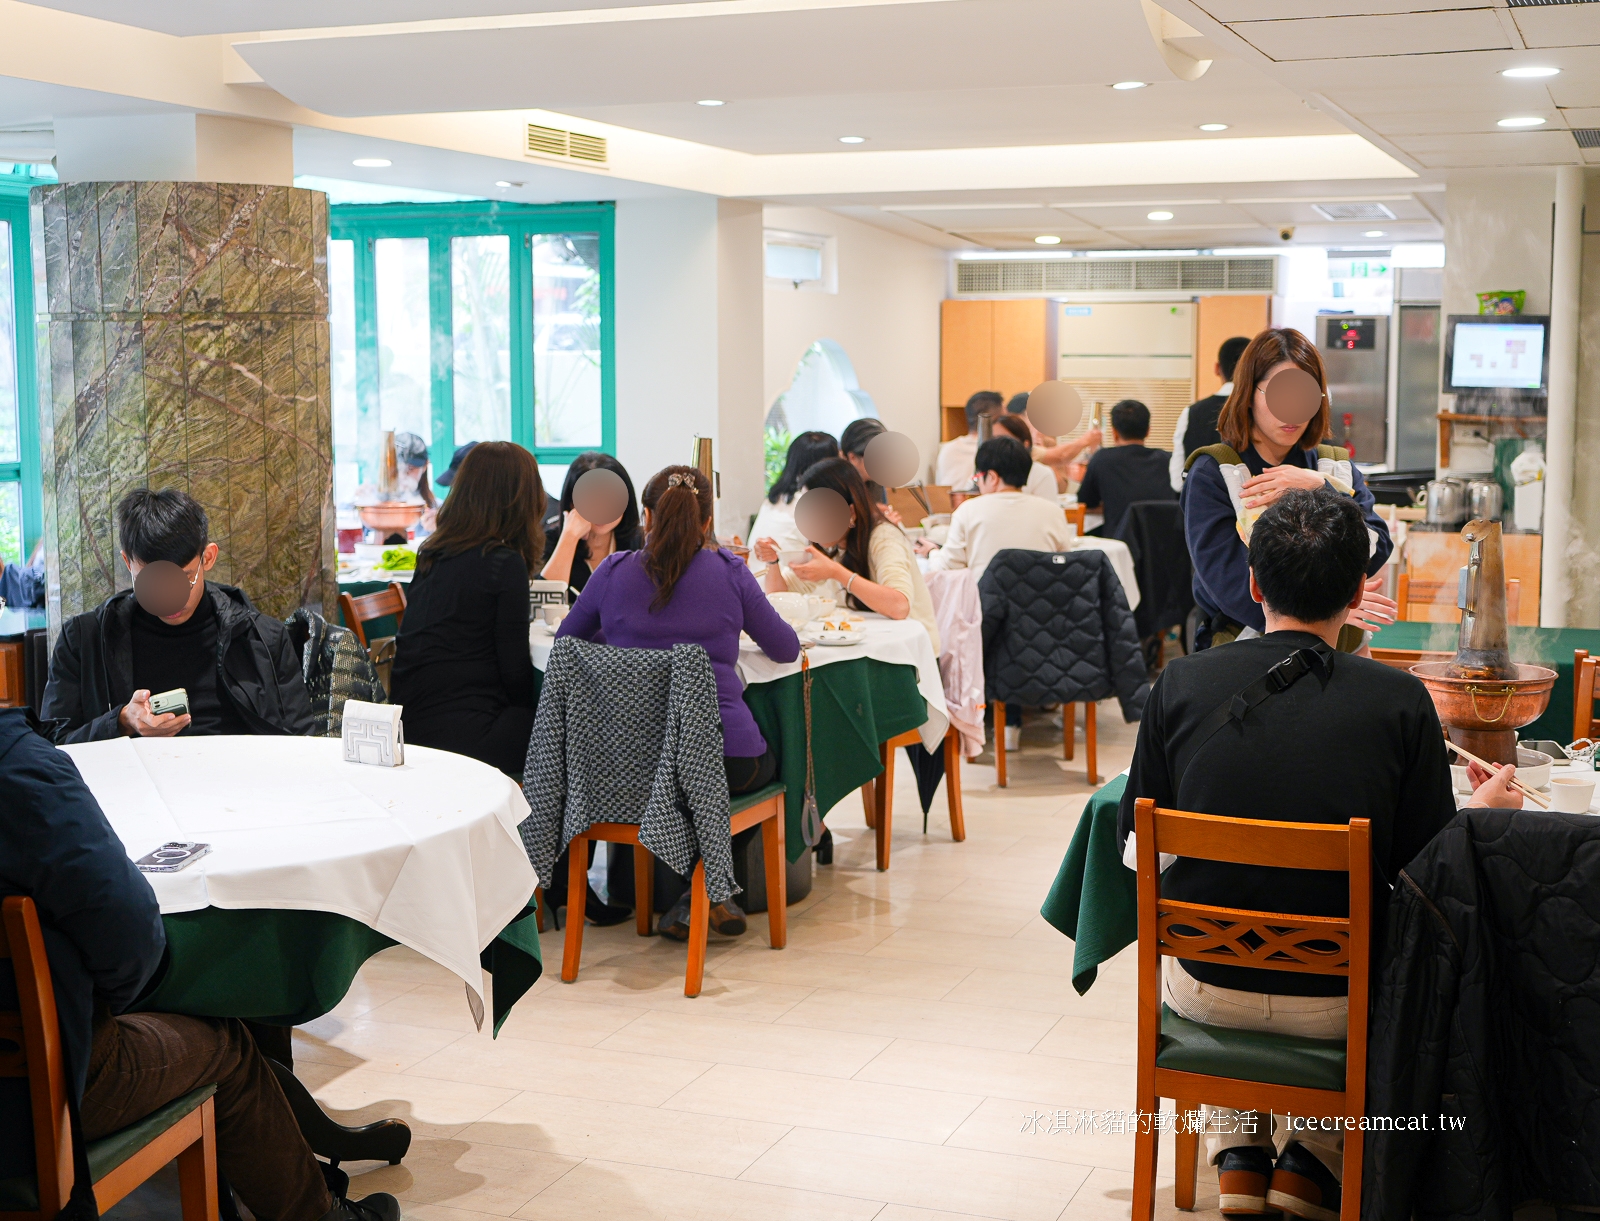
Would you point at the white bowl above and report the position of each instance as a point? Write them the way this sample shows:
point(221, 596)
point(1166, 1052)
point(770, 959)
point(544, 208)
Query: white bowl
point(791, 558)
point(1458, 778)
point(1533, 767)
point(793, 609)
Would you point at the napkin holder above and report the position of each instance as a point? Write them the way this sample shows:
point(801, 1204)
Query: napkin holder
point(373, 734)
point(545, 593)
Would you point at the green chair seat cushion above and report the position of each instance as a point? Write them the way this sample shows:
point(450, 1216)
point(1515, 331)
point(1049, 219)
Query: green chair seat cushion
point(743, 801)
point(1249, 1055)
point(21, 1194)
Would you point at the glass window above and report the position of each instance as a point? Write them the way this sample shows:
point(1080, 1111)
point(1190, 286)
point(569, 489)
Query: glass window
point(342, 342)
point(10, 448)
point(480, 284)
point(566, 339)
point(790, 261)
point(405, 380)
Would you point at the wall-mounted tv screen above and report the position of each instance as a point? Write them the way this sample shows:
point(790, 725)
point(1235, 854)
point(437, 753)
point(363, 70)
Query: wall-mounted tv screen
point(1495, 356)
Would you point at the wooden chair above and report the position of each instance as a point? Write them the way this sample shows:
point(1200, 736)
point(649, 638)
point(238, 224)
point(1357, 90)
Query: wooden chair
point(1584, 672)
point(877, 796)
point(764, 806)
point(1069, 725)
point(30, 1046)
point(358, 612)
point(1193, 1063)
point(1076, 514)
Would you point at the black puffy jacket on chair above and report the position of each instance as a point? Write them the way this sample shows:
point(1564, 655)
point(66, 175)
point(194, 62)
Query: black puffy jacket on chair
point(1057, 629)
point(1486, 1014)
point(1153, 530)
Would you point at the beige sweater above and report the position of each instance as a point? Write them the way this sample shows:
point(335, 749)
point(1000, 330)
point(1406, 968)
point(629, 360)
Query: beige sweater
point(984, 525)
point(893, 565)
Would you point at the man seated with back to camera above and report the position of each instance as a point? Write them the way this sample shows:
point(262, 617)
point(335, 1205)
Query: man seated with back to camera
point(1125, 471)
point(237, 665)
point(1349, 737)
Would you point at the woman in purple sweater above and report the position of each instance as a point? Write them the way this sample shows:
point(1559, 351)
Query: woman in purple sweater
point(681, 588)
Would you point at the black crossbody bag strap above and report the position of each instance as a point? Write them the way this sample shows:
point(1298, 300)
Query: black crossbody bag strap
point(1280, 678)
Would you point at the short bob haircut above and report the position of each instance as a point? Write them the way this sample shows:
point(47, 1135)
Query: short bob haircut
point(1272, 347)
point(1007, 458)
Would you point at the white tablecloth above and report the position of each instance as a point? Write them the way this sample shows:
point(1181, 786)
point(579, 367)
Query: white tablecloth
point(1121, 563)
point(427, 853)
point(901, 642)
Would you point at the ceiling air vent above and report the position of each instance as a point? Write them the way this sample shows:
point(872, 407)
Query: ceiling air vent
point(1152, 275)
point(570, 145)
point(1544, 3)
point(1587, 137)
point(1352, 211)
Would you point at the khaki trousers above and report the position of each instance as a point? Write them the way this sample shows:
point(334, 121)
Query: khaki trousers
point(1317, 1017)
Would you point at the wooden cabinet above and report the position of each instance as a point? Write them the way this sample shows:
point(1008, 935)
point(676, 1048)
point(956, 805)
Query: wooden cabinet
point(1434, 559)
point(989, 345)
point(13, 685)
point(1218, 319)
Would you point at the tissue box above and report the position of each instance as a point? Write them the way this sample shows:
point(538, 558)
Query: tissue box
point(373, 734)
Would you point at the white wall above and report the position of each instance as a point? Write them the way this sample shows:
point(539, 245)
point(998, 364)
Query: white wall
point(740, 411)
point(666, 310)
point(885, 315)
point(174, 147)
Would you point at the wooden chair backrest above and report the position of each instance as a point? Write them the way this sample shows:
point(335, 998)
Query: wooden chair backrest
point(904, 502)
point(360, 611)
point(1585, 678)
point(938, 495)
point(1076, 514)
point(1201, 932)
point(30, 1046)
point(1433, 590)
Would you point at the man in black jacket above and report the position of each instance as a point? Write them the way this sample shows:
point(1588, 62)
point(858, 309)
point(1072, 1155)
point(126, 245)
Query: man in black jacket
point(1347, 737)
point(238, 666)
point(105, 941)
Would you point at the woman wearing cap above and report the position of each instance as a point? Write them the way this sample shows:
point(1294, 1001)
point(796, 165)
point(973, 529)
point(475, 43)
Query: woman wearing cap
point(1260, 458)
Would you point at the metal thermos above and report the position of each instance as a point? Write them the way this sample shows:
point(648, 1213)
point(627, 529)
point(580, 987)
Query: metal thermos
point(1485, 500)
point(1447, 502)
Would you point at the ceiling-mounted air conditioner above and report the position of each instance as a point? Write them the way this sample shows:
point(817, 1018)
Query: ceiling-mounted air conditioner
point(1205, 274)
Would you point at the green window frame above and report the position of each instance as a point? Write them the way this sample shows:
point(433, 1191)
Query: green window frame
point(14, 189)
point(364, 224)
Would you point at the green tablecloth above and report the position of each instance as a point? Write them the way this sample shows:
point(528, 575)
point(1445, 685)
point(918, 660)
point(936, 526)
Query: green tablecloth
point(855, 706)
point(1094, 899)
point(283, 968)
point(1540, 646)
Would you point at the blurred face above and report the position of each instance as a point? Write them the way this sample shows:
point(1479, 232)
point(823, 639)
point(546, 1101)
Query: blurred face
point(194, 570)
point(1267, 426)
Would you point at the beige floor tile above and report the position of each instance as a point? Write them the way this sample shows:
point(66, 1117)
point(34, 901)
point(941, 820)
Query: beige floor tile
point(976, 950)
point(367, 994)
point(899, 1212)
point(621, 1132)
point(478, 1178)
point(425, 1212)
point(618, 1192)
point(387, 1046)
point(940, 1022)
point(433, 1108)
point(815, 1101)
point(1062, 1134)
point(1107, 1195)
point(1051, 1080)
point(860, 973)
point(399, 963)
point(641, 983)
point(1086, 1038)
point(442, 1006)
point(898, 884)
point(938, 915)
point(550, 1018)
point(921, 1175)
point(580, 1072)
point(1043, 993)
point(709, 1037)
point(831, 937)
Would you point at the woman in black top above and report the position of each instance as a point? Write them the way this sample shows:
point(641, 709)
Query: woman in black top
point(575, 546)
point(462, 666)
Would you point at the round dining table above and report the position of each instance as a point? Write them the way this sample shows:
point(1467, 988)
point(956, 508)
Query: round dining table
point(314, 864)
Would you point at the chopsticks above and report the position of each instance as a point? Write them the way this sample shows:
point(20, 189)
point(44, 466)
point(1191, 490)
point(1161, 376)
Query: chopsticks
point(1538, 799)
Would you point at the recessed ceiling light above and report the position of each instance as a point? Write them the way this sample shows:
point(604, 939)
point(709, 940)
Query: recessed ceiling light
point(1530, 72)
point(1373, 233)
point(507, 183)
point(1213, 127)
point(863, 139)
point(1130, 84)
point(1525, 120)
point(710, 102)
point(378, 163)
point(1046, 239)
point(1158, 215)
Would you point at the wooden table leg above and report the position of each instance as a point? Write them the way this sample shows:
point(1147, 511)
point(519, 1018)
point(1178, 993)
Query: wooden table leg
point(699, 929)
point(869, 803)
point(772, 847)
point(1069, 730)
point(952, 783)
point(1000, 742)
point(577, 891)
point(1187, 1161)
point(885, 794)
point(644, 885)
point(1088, 738)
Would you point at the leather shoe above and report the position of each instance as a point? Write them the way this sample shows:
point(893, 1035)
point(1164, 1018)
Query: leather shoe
point(1243, 1173)
point(727, 918)
point(379, 1206)
point(1303, 1186)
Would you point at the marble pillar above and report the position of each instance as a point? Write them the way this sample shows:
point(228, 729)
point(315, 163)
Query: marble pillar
point(183, 342)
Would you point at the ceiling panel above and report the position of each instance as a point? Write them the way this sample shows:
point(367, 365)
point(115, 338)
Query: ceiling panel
point(1414, 123)
point(879, 49)
point(1018, 218)
point(1523, 148)
point(189, 17)
point(1568, 25)
point(1347, 37)
point(1268, 10)
point(1182, 214)
point(1582, 116)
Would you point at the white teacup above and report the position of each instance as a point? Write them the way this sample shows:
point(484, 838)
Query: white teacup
point(553, 615)
point(1571, 794)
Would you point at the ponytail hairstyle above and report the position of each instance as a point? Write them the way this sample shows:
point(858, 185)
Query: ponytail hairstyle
point(681, 506)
